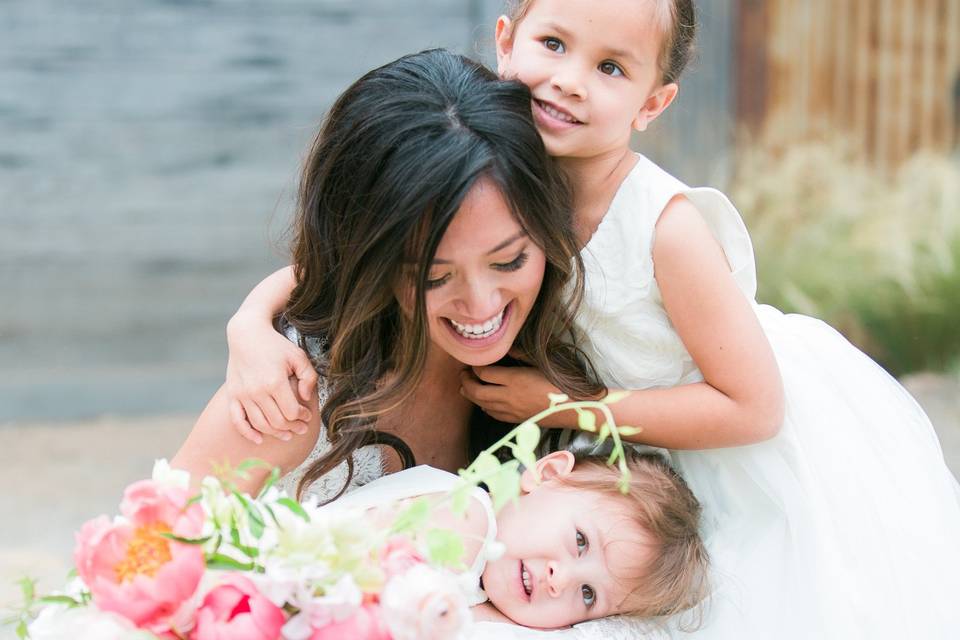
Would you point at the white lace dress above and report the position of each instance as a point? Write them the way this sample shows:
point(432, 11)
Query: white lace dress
point(846, 524)
point(367, 461)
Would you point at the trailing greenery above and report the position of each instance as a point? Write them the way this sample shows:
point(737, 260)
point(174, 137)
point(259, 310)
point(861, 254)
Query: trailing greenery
point(877, 257)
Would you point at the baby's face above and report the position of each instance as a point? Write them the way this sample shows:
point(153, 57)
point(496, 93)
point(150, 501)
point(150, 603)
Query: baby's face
point(570, 555)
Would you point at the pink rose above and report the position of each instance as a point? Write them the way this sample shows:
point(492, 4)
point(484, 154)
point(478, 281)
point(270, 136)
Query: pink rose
point(235, 610)
point(398, 555)
point(132, 569)
point(365, 624)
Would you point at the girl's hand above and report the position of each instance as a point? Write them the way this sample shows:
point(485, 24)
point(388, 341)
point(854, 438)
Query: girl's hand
point(263, 370)
point(508, 394)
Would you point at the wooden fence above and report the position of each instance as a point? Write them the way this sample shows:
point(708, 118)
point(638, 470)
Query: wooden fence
point(882, 74)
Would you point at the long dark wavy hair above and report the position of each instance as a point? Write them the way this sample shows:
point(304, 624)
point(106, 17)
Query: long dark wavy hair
point(390, 167)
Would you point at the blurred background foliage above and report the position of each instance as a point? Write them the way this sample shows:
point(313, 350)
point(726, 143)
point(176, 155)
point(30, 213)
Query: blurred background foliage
point(875, 255)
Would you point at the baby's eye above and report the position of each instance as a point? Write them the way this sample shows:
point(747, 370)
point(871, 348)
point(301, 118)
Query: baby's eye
point(553, 44)
point(610, 68)
point(589, 595)
point(581, 542)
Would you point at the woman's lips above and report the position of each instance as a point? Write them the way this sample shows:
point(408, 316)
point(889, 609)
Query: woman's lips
point(481, 343)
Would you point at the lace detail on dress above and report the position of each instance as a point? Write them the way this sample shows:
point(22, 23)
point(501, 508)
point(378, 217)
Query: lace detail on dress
point(367, 462)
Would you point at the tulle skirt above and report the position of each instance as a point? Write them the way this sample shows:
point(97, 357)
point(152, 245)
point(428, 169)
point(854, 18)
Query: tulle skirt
point(847, 523)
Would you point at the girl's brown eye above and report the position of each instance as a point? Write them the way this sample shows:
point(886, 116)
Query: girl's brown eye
point(553, 44)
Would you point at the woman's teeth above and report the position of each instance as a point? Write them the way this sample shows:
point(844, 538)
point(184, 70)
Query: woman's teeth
point(477, 331)
point(527, 583)
point(559, 115)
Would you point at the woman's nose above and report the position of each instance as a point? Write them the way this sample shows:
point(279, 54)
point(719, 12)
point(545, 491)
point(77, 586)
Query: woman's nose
point(480, 299)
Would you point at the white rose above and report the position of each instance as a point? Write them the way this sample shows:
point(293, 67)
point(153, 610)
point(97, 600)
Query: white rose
point(84, 623)
point(424, 603)
point(163, 474)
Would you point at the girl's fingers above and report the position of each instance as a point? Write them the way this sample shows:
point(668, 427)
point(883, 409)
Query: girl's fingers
point(307, 377)
point(289, 406)
point(259, 422)
point(239, 420)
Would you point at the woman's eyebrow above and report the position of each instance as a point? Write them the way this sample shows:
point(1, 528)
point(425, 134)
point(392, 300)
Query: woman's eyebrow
point(503, 245)
point(509, 241)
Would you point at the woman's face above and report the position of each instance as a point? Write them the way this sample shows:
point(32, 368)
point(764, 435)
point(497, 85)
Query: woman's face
point(483, 281)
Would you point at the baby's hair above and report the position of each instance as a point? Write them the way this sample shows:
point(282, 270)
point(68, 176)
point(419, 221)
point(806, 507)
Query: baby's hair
point(677, 20)
point(662, 505)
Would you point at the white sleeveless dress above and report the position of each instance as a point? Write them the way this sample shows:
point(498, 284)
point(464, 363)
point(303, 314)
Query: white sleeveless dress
point(847, 523)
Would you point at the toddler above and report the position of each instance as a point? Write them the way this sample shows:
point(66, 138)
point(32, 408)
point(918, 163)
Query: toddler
point(576, 548)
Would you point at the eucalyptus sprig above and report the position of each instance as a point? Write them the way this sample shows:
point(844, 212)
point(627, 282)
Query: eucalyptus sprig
point(503, 478)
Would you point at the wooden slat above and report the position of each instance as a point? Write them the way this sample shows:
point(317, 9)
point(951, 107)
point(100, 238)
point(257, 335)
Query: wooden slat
point(881, 72)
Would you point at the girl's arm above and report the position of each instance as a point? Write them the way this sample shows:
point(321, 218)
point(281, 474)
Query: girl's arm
point(261, 360)
point(740, 400)
point(214, 440)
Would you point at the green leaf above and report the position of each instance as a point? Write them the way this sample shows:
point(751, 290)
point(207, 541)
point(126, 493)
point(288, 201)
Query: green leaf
point(528, 436)
point(629, 431)
point(251, 463)
point(67, 600)
point(557, 398)
point(445, 547)
point(527, 458)
point(505, 485)
point(615, 396)
point(257, 524)
point(250, 552)
point(295, 507)
point(220, 561)
point(485, 465)
point(28, 588)
point(413, 517)
point(460, 499)
point(270, 481)
point(195, 499)
point(586, 420)
point(170, 536)
point(604, 433)
point(22, 630)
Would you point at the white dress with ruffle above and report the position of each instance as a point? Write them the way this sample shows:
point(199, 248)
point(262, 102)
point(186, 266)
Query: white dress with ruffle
point(844, 525)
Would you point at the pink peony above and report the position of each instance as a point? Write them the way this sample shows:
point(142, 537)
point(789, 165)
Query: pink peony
point(398, 555)
point(365, 624)
point(133, 570)
point(235, 610)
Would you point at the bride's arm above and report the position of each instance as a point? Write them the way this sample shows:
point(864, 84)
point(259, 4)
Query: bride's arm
point(214, 440)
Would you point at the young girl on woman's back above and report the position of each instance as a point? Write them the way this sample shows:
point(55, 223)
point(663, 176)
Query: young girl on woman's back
point(830, 512)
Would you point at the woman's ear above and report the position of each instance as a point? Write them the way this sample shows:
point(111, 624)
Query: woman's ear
point(503, 37)
point(655, 104)
point(550, 467)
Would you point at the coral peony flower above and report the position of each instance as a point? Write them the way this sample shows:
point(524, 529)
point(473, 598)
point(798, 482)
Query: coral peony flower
point(365, 624)
point(424, 604)
point(132, 569)
point(235, 610)
point(398, 555)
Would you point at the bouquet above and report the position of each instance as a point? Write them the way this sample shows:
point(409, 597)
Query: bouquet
point(219, 564)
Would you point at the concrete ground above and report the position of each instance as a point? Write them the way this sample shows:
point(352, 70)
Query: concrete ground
point(55, 476)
